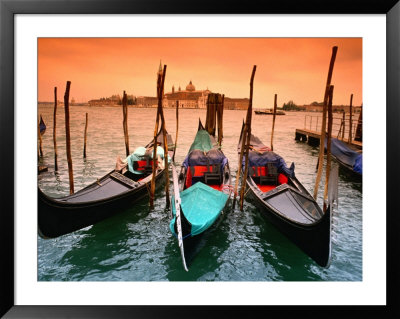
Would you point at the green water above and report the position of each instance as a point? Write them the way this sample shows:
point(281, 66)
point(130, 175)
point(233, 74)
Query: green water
point(137, 245)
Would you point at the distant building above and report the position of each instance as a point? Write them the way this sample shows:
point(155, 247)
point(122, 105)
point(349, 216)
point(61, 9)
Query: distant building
point(335, 108)
point(236, 104)
point(113, 100)
point(189, 98)
point(146, 101)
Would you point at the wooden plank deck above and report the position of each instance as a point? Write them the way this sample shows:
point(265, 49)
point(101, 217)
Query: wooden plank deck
point(313, 136)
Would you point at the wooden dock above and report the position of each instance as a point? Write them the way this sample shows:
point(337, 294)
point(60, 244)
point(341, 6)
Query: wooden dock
point(313, 137)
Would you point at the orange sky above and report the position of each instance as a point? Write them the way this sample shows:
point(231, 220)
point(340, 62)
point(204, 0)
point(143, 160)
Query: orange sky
point(294, 68)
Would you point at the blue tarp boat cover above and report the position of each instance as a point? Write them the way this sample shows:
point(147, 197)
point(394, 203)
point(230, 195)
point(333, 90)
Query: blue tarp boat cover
point(202, 152)
point(261, 159)
point(201, 205)
point(357, 167)
point(199, 158)
point(346, 155)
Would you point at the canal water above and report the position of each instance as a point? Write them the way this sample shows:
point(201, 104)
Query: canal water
point(137, 245)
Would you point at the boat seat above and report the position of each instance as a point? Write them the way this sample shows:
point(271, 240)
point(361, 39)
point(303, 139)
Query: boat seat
point(207, 174)
point(213, 177)
point(144, 166)
point(271, 176)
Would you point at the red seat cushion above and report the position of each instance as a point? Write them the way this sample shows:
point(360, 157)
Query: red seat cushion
point(141, 165)
point(266, 188)
point(261, 170)
point(199, 171)
point(282, 179)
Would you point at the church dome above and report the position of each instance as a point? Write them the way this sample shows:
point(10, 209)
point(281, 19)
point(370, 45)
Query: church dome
point(190, 87)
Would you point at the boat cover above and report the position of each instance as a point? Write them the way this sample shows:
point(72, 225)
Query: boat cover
point(202, 142)
point(357, 167)
point(262, 158)
point(138, 155)
point(346, 155)
point(201, 206)
point(199, 158)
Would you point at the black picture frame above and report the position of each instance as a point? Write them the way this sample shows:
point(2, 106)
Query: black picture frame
point(8, 10)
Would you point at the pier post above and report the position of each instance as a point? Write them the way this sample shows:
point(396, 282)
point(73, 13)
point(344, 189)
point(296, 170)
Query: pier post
point(40, 139)
point(177, 127)
point(125, 122)
point(273, 123)
point(246, 154)
point(358, 136)
point(160, 114)
point(323, 128)
point(328, 146)
point(351, 118)
point(85, 137)
point(68, 138)
point(344, 124)
point(54, 130)
point(220, 114)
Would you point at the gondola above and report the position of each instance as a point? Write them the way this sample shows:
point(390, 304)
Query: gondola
point(201, 193)
point(346, 156)
point(285, 203)
point(109, 195)
point(42, 126)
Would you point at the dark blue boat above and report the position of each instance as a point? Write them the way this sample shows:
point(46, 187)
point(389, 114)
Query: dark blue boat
point(346, 156)
point(42, 126)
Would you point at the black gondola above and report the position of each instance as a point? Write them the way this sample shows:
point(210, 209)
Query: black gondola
point(42, 126)
point(104, 198)
point(201, 193)
point(285, 202)
point(346, 156)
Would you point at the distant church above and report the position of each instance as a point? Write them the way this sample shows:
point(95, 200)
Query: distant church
point(190, 98)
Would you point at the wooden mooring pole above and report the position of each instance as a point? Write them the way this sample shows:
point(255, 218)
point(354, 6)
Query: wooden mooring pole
point(68, 138)
point(85, 137)
point(40, 139)
point(220, 115)
point(344, 124)
point(177, 126)
point(54, 130)
point(160, 90)
point(244, 138)
point(246, 153)
point(328, 146)
point(323, 128)
point(351, 119)
point(273, 123)
point(165, 139)
point(125, 122)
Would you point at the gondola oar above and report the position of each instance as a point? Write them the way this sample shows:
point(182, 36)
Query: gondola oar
point(177, 202)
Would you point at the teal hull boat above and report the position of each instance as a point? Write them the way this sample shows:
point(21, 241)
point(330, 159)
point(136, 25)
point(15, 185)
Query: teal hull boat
point(201, 193)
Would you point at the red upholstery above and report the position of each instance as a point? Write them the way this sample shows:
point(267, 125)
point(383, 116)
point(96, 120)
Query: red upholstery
point(141, 165)
point(217, 187)
point(198, 172)
point(188, 181)
point(266, 188)
point(261, 170)
point(282, 179)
